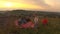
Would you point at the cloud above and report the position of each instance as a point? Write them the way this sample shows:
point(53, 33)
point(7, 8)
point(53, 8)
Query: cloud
point(40, 3)
point(55, 5)
point(49, 5)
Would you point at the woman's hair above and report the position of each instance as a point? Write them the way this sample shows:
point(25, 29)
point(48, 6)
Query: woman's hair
point(28, 20)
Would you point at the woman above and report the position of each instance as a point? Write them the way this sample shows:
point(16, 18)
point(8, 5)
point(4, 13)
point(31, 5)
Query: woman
point(29, 23)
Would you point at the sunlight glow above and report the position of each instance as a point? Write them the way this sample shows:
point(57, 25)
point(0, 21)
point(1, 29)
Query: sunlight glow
point(8, 4)
point(18, 5)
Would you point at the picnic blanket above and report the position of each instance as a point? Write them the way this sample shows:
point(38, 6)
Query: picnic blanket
point(28, 25)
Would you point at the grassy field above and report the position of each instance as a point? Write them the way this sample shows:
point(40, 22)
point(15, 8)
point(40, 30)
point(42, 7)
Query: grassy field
point(8, 27)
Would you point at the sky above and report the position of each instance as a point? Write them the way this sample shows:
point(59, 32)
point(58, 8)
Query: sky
point(44, 5)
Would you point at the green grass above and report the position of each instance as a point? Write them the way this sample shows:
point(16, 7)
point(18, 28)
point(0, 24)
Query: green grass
point(53, 27)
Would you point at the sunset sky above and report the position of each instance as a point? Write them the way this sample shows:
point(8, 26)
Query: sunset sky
point(45, 5)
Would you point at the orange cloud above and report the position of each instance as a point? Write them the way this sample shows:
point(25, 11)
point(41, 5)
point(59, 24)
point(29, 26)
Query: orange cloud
point(53, 5)
point(13, 5)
